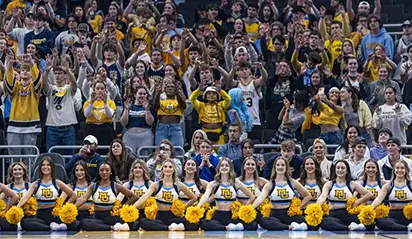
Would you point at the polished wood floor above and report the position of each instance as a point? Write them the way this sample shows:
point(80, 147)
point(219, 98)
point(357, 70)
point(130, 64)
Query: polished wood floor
point(209, 235)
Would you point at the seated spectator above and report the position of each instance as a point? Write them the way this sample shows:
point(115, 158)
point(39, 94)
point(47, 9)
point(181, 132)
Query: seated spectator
point(345, 151)
point(287, 151)
point(88, 154)
point(247, 147)
point(232, 149)
point(392, 115)
point(207, 161)
point(197, 138)
point(394, 155)
point(164, 151)
point(380, 150)
point(120, 159)
point(319, 152)
point(292, 117)
point(357, 160)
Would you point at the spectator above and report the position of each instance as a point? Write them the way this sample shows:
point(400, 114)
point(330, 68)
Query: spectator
point(237, 113)
point(353, 78)
point(89, 155)
point(24, 124)
point(197, 138)
point(67, 38)
point(43, 39)
point(345, 151)
point(357, 161)
point(374, 62)
point(377, 88)
point(120, 159)
point(377, 35)
point(287, 152)
point(206, 161)
point(247, 147)
point(137, 119)
point(406, 68)
point(292, 117)
point(319, 153)
point(232, 149)
point(18, 33)
point(392, 115)
point(402, 44)
point(381, 149)
point(394, 155)
point(61, 115)
point(165, 150)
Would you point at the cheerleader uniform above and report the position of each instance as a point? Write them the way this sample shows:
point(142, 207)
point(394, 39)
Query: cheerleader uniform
point(192, 187)
point(374, 189)
point(46, 194)
point(397, 195)
point(104, 197)
point(252, 187)
point(19, 191)
point(165, 196)
point(80, 191)
point(4, 225)
point(279, 219)
point(340, 219)
point(314, 190)
point(220, 219)
point(138, 190)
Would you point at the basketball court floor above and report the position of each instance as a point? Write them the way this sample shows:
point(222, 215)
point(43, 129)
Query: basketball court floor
point(208, 235)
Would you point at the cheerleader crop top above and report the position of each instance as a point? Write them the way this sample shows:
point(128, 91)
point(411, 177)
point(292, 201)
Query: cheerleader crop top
point(281, 194)
point(170, 107)
point(166, 195)
point(225, 192)
point(340, 193)
point(104, 197)
point(47, 193)
point(329, 116)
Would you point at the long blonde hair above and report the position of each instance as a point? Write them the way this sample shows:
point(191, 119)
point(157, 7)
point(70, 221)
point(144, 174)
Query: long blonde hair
point(144, 167)
point(232, 173)
point(405, 164)
point(10, 177)
point(192, 144)
point(288, 173)
point(174, 176)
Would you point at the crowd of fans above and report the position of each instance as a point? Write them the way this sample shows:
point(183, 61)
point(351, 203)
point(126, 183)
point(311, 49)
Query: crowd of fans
point(243, 67)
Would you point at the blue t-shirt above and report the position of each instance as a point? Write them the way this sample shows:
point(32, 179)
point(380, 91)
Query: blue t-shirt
point(206, 173)
point(137, 116)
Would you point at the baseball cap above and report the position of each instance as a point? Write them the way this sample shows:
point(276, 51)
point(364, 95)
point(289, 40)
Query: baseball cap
point(364, 3)
point(29, 13)
point(407, 23)
point(83, 27)
point(361, 140)
point(240, 49)
point(394, 140)
point(91, 139)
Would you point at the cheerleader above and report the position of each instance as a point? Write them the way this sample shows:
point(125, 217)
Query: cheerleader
point(13, 198)
point(46, 190)
point(79, 183)
point(224, 189)
point(139, 182)
point(280, 191)
point(190, 178)
point(338, 191)
point(311, 178)
point(104, 193)
point(250, 178)
point(399, 193)
point(371, 179)
point(17, 178)
point(166, 191)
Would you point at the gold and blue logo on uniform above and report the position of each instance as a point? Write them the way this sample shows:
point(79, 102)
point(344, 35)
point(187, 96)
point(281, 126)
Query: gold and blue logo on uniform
point(312, 192)
point(46, 193)
point(400, 194)
point(251, 189)
point(373, 191)
point(226, 193)
point(283, 193)
point(340, 194)
point(138, 192)
point(104, 196)
point(80, 193)
point(167, 196)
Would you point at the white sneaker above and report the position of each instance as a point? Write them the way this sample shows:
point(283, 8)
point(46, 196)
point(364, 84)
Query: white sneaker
point(54, 226)
point(121, 227)
point(299, 226)
point(62, 227)
point(231, 227)
point(177, 227)
point(239, 227)
point(19, 227)
point(410, 227)
point(356, 227)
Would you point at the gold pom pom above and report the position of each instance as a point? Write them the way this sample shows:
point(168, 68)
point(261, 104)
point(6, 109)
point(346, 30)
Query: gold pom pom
point(382, 211)
point(149, 202)
point(91, 209)
point(260, 207)
point(129, 213)
point(266, 210)
point(194, 214)
point(235, 209)
point(314, 214)
point(3, 205)
point(151, 212)
point(210, 213)
point(116, 208)
point(14, 215)
point(206, 206)
point(325, 208)
point(294, 208)
point(178, 208)
point(247, 213)
point(30, 207)
point(353, 210)
point(367, 215)
point(407, 211)
point(68, 213)
point(57, 206)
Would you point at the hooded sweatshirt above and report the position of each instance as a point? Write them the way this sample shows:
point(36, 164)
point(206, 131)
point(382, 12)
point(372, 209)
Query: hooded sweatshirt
point(370, 41)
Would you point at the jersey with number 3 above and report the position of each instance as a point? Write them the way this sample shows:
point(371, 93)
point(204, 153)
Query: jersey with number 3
point(251, 98)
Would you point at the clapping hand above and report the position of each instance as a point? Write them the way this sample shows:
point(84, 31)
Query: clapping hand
point(398, 108)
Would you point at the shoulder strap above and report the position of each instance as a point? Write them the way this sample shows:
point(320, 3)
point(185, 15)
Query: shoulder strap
point(74, 185)
point(95, 187)
point(54, 182)
point(176, 186)
point(26, 185)
point(409, 184)
point(391, 185)
point(146, 184)
point(215, 189)
point(113, 186)
point(380, 183)
point(11, 185)
point(159, 186)
point(272, 188)
point(38, 186)
point(130, 184)
point(349, 185)
point(331, 186)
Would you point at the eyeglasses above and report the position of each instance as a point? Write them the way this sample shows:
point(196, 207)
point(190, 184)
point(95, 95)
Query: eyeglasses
point(164, 148)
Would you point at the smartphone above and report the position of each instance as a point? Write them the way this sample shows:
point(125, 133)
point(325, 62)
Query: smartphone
point(321, 91)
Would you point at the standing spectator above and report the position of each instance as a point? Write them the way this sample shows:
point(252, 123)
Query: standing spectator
point(392, 115)
point(164, 151)
point(381, 150)
point(24, 123)
point(17, 33)
point(377, 35)
point(120, 159)
point(43, 39)
point(61, 116)
point(99, 112)
point(374, 62)
point(232, 149)
point(402, 44)
point(67, 38)
point(377, 88)
point(248, 150)
point(207, 161)
point(394, 155)
point(237, 113)
point(87, 154)
point(287, 152)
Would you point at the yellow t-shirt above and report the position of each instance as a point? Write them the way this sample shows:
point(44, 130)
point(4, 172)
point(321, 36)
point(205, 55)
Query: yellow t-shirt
point(96, 23)
point(138, 32)
point(338, 17)
point(329, 116)
point(170, 107)
point(98, 114)
point(16, 4)
point(252, 30)
point(373, 71)
point(335, 49)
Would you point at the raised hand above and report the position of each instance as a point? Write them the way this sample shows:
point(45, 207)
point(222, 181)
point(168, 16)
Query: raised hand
point(398, 108)
point(286, 103)
point(378, 111)
point(49, 62)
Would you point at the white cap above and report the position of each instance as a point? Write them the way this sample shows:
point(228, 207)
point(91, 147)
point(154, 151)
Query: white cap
point(91, 139)
point(364, 3)
point(240, 49)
